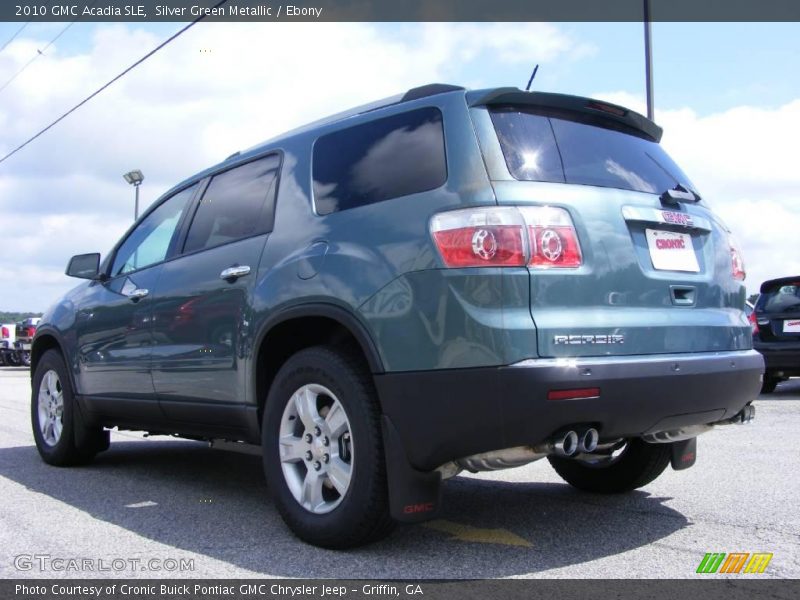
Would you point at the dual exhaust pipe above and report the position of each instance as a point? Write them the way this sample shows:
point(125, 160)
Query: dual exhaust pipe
point(571, 442)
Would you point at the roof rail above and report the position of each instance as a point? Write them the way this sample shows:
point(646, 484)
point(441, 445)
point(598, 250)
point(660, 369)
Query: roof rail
point(429, 90)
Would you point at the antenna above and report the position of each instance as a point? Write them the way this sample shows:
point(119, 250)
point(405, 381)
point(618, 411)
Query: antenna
point(530, 81)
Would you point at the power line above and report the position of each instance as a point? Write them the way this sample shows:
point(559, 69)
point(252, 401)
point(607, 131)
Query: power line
point(13, 37)
point(116, 78)
point(35, 56)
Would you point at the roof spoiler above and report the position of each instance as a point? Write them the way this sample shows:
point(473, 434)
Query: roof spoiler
point(431, 89)
point(595, 109)
point(780, 281)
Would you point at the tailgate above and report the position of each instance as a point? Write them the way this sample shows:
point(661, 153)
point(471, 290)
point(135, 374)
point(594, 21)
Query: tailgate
point(659, 273)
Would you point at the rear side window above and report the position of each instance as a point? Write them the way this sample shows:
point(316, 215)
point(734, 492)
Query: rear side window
point(383, 159)
point(542, 148)
point(237, 204)
point(781, 298)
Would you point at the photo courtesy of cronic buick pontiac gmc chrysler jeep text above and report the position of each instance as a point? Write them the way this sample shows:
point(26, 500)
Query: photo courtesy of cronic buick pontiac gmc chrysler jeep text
point(440, 281)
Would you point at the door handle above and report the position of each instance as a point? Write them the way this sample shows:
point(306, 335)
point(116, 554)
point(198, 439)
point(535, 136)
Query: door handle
point(138, 294)
point(232, 273)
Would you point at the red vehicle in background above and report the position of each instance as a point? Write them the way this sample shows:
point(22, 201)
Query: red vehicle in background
point(15, 342)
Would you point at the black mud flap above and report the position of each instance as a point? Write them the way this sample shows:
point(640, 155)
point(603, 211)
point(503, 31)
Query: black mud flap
point(684, 454)
point(414, 496)
point(85, 435)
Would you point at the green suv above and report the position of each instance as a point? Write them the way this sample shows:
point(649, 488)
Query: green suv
point(440, 281)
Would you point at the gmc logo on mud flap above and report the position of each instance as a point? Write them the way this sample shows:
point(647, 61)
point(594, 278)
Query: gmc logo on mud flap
point(411, 509)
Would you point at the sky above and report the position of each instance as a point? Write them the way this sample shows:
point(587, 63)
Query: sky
point(726, 94)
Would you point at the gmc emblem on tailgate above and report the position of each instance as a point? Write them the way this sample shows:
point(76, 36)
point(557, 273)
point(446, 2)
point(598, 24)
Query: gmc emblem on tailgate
point(577, 340)
point(676, 218)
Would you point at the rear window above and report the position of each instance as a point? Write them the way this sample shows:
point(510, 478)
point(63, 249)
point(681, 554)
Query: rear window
point(545, 148)
point(383, 159)
point(782, 298)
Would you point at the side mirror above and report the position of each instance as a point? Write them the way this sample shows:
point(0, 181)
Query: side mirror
point(84, 266)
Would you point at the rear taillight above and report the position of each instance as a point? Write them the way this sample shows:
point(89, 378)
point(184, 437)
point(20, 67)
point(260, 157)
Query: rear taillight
point(753, 322)
point(541, 237)
point(4, 332)
point(737, 263)
point(480, 237)
point(552, 236)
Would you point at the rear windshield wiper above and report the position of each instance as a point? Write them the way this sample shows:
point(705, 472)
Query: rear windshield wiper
point(679, 194)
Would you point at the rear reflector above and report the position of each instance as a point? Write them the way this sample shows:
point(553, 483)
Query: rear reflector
point(541, 237)
point(753, 322)
point(578, 394)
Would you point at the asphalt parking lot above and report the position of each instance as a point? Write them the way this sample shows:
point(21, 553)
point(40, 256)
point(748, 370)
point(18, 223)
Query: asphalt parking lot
point(174, 500)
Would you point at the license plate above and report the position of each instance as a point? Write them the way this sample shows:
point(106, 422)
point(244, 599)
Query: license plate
point(671, 251)
point(791, 326)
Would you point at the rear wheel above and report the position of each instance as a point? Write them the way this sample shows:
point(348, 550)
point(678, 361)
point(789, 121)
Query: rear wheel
point(634, 465)
point(62, 437)
point(323, 451)
point(769, 384)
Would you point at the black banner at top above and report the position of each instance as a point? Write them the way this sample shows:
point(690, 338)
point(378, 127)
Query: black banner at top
point(397, 10)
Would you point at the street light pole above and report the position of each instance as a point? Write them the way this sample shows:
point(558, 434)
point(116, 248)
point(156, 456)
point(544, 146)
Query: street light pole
point(136, 206)
point(135, 178)
point(648, 60)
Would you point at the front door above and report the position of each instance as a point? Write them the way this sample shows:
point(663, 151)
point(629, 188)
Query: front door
point(114, 318)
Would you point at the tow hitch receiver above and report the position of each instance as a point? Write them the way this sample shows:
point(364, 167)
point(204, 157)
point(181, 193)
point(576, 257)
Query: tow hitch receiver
point(684, 454)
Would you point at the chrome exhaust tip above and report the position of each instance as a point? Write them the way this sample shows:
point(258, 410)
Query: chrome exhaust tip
point(588, 441)
point(565, 444)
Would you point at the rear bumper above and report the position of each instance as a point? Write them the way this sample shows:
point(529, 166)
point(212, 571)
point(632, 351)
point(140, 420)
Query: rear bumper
point(780, 356)
point(447, 414)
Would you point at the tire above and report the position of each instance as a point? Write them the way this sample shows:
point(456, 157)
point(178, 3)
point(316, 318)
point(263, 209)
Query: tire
point(637, 465)
point(62, 438)
point(12, 359)
point(314, 384)
point(769, 384)
point(25, 356)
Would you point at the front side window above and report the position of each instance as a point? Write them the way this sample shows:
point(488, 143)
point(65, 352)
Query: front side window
point(383, 159)
point(238, 203)
point(150, 241)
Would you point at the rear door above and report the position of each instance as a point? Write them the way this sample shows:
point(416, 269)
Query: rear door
point(202, 302)
point(657, 274)
point(778, 311)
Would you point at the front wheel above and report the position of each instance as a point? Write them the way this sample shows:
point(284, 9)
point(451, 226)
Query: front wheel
point(636, 464)
point(323, 451)
point(62, 437)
